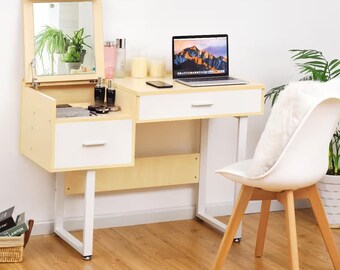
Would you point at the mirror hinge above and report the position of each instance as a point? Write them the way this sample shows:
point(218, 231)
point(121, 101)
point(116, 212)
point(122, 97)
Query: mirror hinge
point(34, 82)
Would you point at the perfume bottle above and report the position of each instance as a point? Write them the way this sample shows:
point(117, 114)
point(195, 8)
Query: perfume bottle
point(110, 95)
point(109, 59)
point(99, 93)
point(120, 57)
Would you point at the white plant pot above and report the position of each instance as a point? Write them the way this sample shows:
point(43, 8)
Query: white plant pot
point(72, 65)
point(329, 190)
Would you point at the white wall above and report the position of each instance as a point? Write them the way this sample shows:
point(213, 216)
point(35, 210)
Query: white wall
point(261, 33)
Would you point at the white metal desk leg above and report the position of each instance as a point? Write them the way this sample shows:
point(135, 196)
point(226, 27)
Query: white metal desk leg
point(89, 213)
point(59, 202)
point(201, 201)
point(85, 247)
point(242, 128)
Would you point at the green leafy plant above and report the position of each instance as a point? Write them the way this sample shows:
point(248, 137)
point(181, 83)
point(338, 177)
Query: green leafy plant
point(72, 55)
point(334, 154)
point(314, 66)
point(53, 41)
point(78, 40)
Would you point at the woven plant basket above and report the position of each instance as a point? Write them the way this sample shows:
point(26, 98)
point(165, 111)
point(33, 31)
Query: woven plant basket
point(329, 190)
point(11, 249)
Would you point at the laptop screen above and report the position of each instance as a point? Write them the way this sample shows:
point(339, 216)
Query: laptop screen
point(200, 56)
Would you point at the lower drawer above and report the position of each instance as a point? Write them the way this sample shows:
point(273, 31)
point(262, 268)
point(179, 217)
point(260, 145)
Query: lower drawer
point(90, 144)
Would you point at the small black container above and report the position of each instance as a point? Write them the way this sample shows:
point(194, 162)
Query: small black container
point(99, 93)
point(110, 95)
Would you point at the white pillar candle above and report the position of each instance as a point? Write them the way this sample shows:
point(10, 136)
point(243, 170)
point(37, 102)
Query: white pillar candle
point(157, 68)
point(139, 67)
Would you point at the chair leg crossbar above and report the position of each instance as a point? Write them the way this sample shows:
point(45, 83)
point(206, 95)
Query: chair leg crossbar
point(287, 197)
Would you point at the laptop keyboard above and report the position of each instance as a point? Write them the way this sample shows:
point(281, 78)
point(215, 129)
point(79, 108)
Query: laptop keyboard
point(207, 79)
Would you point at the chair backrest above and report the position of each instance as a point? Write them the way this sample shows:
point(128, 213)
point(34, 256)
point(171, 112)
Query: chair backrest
point(304, 160)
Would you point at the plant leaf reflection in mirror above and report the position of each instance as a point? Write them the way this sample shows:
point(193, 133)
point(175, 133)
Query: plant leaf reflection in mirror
point(64, 40)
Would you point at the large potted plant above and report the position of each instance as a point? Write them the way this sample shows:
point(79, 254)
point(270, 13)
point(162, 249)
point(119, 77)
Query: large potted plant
point(329, 186)
point(314, 66)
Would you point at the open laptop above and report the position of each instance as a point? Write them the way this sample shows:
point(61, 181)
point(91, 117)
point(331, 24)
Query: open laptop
point(202, 60)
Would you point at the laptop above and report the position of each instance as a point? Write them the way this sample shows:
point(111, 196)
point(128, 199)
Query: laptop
point(202, 60)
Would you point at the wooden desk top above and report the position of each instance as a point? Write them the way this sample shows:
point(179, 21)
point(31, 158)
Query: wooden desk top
point(138, 87)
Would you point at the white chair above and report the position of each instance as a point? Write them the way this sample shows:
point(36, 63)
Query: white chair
point(302, 163)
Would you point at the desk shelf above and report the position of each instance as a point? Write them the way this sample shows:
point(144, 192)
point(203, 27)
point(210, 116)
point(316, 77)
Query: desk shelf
point(148, 172)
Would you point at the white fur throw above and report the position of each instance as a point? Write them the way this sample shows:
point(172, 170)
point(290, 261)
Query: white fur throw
point(291, 106)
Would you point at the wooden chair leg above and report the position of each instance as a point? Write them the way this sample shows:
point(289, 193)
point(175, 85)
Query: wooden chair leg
point(325, 230)
point(287, 199)
point(262, 229)
point(234, 221)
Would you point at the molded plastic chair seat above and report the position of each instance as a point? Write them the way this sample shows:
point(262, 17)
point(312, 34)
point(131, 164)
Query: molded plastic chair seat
point(302, 163)
point(237, 172)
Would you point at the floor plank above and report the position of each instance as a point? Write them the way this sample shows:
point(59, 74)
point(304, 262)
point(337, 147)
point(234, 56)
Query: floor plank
point(181, 245)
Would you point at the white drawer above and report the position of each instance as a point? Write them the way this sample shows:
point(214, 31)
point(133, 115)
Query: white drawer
point(200, 104)
point(91, 144)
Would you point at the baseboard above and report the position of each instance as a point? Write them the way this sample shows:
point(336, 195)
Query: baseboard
point(253, 207)
point(152, 216)
point(120, 219)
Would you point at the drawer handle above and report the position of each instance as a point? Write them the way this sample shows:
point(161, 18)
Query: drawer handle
point(92, 144)
point(202, 104)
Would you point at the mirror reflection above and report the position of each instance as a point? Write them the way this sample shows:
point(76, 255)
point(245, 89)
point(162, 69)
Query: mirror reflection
point(64, 38)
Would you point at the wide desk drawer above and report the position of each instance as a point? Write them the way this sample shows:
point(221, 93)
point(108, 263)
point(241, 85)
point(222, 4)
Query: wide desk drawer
point(90, 144)
point(200, 105)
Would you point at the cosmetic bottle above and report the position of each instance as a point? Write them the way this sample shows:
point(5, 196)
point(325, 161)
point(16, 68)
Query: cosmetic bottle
point(110, 95)
point(120, 57)
point(109, 59)
point(99, 93)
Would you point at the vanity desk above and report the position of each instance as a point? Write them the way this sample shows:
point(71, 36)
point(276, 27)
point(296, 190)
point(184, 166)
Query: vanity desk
point(159, 137)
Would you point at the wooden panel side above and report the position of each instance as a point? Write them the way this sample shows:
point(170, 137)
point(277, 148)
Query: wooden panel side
point(168, 138)
point(37, 125)
point(28, 26)
point(98, 37)
point(148, 172)
point(127, 102)
point(82, 93)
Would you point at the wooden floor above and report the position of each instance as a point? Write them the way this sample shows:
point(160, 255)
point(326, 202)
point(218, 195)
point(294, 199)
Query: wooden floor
point(181, 245)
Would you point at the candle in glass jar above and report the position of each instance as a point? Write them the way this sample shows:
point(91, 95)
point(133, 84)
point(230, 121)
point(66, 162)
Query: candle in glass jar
point(139, 67)
point(157, 68)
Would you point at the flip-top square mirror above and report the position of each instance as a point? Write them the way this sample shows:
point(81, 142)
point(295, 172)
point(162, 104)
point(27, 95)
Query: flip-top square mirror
point(63, 40)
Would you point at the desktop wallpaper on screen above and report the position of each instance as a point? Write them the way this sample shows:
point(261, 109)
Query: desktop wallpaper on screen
point(200, 56)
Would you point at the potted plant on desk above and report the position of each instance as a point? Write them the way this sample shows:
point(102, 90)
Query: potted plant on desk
point(314, 66)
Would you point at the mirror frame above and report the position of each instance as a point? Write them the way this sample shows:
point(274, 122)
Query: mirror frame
point(28, 21)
